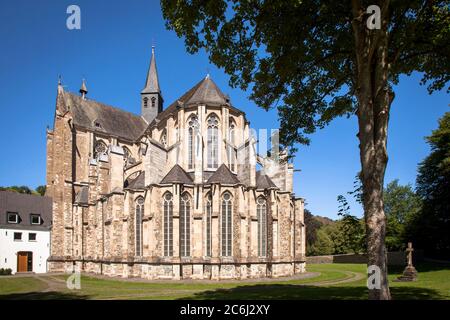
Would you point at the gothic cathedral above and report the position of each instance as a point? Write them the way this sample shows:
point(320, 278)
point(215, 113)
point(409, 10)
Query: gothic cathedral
point(172, 193)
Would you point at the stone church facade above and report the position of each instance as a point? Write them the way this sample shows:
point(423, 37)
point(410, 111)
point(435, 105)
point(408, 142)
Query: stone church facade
point(173, 193)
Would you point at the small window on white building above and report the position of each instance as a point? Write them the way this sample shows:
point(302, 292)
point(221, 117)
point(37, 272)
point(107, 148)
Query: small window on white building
point(13, 217)
point(35, 219)
point(32, 237)
point(17, 236)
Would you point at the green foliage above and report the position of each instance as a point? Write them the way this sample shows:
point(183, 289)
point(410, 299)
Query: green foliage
point(346, 235)
point(19, 189)
point(401, 205)
point(25, 190)
point(323, 244)
point(5, 272)
point(352, 229)
point(41, 190)
point(430, 228)
point(312, 225)
point(299, 56)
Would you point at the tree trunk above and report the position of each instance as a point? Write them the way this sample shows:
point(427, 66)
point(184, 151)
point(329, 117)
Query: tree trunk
point(374, 100)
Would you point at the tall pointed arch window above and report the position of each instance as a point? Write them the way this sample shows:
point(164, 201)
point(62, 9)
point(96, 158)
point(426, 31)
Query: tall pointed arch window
point(163, 139)
point(127, 158)
point(145, 102)
point(168, 224)
point(261, 213)
point(226, 224)
point(208, 234)
point(231, 151)
point(213, 142)
point(185, 226)
point(192, 132)
point(153, 101)
point(138, 226)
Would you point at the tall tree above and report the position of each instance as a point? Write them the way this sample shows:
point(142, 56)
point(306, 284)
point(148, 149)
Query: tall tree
point(324, 244)
point(401, 205)
point(317, 60)
point(41, 190)
point(430, 229)
point(312, 226)
point(352, 231)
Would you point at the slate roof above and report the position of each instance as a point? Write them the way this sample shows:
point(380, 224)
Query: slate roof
point(137, 183)
point(223, 175)
point(205, 91)
point(152, 82)
point(264, 182)
point(96, 116)
point(177, 175)
point(83, 88)
point(24, 205)
point(113, 121)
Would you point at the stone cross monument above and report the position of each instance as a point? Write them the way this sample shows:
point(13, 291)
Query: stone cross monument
point(410, 273)
point(409, 251)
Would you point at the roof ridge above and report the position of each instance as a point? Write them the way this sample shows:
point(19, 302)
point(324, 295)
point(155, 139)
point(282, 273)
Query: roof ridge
point(263, 181)
point(223, 175)
point(172, 176)
point(102, 103)
point(98, 116)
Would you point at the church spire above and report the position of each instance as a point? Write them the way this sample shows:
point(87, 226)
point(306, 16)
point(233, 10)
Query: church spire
point(152, 83)
point(83, 89)
point(60, 86)
point(151, 99)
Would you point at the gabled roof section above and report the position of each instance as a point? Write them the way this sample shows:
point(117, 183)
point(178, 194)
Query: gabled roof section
point(152, 82)
point(96, 116)
point(208, 93)
point(177, 175)
point(264, 182)
point(137, 183)
point(204, 92)
point(223, 175)
point(25, 205)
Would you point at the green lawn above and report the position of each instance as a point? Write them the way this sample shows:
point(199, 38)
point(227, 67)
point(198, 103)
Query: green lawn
point(19, 285)
point(336, 281)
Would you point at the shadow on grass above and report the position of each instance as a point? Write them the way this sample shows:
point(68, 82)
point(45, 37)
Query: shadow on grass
point(421, 267)
point(51, 295)
point(304, 292)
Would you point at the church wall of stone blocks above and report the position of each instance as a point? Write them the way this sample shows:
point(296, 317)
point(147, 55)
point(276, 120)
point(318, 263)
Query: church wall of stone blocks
point(173, 193)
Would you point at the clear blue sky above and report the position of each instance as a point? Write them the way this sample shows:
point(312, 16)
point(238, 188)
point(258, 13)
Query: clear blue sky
point(112, 52)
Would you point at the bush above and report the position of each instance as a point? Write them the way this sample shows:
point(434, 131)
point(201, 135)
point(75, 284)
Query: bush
point(5, 272)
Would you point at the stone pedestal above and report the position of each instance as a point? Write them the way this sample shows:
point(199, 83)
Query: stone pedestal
point(409, 274)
